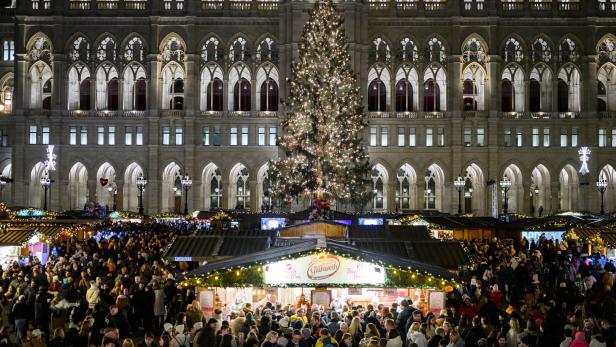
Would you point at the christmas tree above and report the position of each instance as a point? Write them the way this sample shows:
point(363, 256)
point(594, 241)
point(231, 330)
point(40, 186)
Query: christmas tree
point(322, 142)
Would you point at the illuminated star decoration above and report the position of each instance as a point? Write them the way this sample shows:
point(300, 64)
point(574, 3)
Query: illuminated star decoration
point(50, 163)
point(584, 153)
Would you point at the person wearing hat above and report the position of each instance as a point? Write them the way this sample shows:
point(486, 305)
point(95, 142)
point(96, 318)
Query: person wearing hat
point(179, 339)
point(37, 339)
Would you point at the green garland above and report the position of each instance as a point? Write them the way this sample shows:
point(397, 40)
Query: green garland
point(252, 276)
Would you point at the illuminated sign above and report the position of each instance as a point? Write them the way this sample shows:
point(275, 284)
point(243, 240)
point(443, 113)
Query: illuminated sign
point(323, 268)
point(584, 153)
point(50, 163)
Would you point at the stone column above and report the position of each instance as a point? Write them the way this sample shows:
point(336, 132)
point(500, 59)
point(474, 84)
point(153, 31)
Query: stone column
point(191, 90)
point(59, 84)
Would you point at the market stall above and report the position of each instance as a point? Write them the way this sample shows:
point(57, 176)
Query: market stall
point(319, 271)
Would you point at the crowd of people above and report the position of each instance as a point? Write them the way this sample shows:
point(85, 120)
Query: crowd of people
point(116, 289)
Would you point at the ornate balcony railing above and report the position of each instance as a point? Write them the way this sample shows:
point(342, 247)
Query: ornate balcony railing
point(172, 113)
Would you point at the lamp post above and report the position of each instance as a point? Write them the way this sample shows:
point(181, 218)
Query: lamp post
point(186, 184)
point(459, 183)
point(505, 185)
point(141, 183)
point(45, 183)
point(602, 187)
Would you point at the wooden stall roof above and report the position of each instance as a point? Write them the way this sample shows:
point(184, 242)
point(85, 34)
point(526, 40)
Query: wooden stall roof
point(15, 237)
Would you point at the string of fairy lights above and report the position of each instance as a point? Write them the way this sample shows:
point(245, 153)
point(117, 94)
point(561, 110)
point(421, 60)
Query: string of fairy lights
point(251, 275)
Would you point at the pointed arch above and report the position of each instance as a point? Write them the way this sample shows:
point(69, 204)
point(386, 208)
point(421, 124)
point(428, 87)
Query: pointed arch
point(79, 87)
point(435, 49)
point(212, 49)
point(211, 187)
point(40, 48)
point(609, 172)
point(379, 80)
point(474, 190)
point(406, 191)
point(540, 88)
point(107, 87)
point(130, 193)
point(569, 189)
point(515, 194)
point(35, 192)
point(240, 89)
point(172, 48)
point(108, 172)
point(569, 49)
point(606, 87)
point(239, 48)
point(171, 175)
point(134, 83)
point(434, 188)
point(78, 48)
point(606, 49)
point(512, 88)
point(41, 85)
point(267, 49)
point(514, 49)
point(239, 187)
point(542, 49)
point(569, 96)
point(211, 87)
point(409, 51)
point(474, 49)
point(473, 86)
point(77, 186)
point(407, 88)
point(134, 48)
point(540, 177)
point(435, 88)
point(7, 92)
point(380, 185)
point(7, 172)
point(106, 48)
point(267, 87)
point(173, 86)
point(264, 192)
point(380, 51)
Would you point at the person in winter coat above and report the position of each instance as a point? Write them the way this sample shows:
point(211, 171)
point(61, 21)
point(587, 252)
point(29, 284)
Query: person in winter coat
point(580, 340)
point(475, 333)
point(41, 310)
point(393, 339)
point(159, 305)
point(414, 335)
point(404, 315)
point(92, 295)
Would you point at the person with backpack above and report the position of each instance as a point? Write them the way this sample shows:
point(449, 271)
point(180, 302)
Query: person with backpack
point(325, 339)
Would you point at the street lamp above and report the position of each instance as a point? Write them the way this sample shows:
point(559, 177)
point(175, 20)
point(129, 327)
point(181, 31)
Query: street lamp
point(505, 185)
point(186, 184)
point(45, 183)
point(459, 183)
point(602, 187)
point(141, 183)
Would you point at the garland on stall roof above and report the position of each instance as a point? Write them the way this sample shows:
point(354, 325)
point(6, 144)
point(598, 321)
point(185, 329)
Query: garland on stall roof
point(252, 276)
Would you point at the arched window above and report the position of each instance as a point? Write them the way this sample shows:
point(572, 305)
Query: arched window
point(84, 95)
point(241, 95)
point(568, 52)
point(242, 192)
point(47, 95)
point(173, 50)
point(430, 191)
point(6, 93)
point(541, 51)
point(112, 94)
point(140, 94)
point(238, 50)
point(404, 96)
point(378, 196)
point(513, 51)
point(607, 50)
point(506, 96)
point(473, 50)
point(470, 92)
point(404, 189)
point(214, 95)
point(134, 50)
point(381, 50)
point(80, 50)
point(408, 51)
point(106, 50)
point(267, 50)
point(535, 96)
point(434, 51)
point(215, 191)
point(601, 97)
point(432, 100)
point(269, 95)
point(267, 199)
point(176, 92)
point(210, 50)
point(377, 96)
point(563, 96)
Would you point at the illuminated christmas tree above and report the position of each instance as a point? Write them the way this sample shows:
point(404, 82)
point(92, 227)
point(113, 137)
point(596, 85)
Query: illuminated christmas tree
point(322, 141)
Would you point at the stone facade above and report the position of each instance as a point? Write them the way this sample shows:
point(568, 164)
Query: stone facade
point(123, 88)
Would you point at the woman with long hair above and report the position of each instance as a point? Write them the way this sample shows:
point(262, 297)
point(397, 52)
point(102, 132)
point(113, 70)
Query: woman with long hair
point(513, 335)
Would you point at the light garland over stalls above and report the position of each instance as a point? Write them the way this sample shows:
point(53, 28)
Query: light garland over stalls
point(252, 276)
point(324, 155)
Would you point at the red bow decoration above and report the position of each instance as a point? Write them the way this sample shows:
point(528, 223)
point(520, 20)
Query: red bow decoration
point(103, 181)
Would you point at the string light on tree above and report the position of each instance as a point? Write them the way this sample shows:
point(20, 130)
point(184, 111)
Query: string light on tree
point(324, 156)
